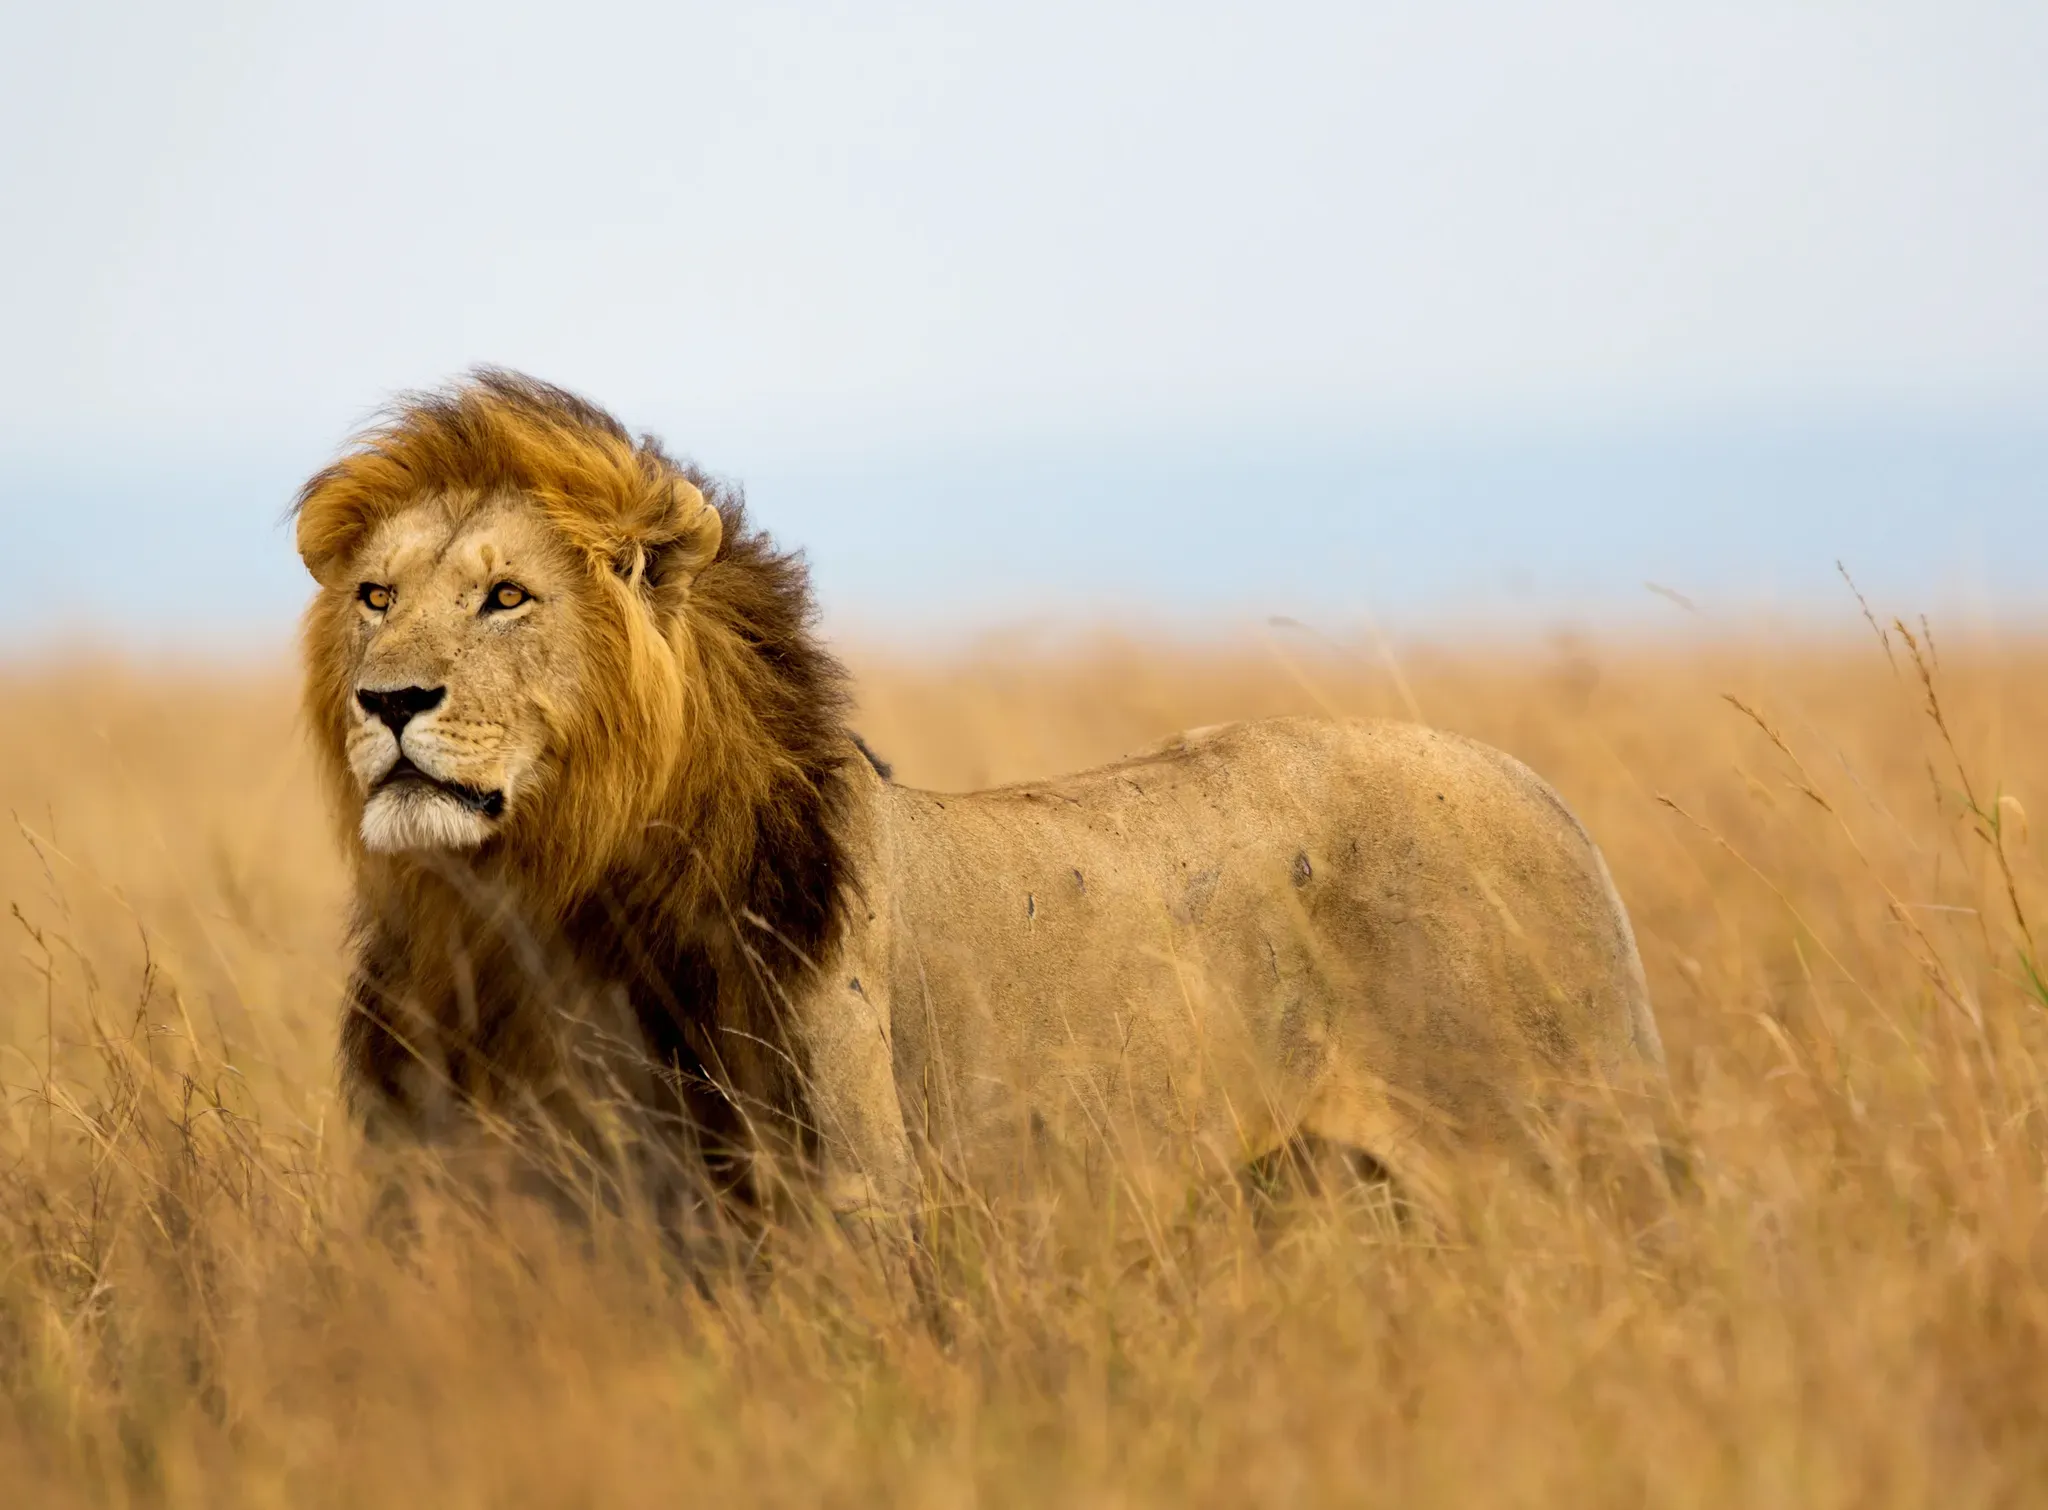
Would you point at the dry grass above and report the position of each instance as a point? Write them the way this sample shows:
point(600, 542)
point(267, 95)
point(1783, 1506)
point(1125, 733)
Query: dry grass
point(1848, 1309)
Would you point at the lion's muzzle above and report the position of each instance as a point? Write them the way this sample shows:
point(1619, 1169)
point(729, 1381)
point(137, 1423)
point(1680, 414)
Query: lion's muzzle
point(415, 796)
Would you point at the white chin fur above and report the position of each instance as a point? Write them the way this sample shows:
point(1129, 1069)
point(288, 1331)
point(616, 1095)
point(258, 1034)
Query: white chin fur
point(414, 816)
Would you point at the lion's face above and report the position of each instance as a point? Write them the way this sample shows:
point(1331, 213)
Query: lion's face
point(465, 662)
point(500, 654)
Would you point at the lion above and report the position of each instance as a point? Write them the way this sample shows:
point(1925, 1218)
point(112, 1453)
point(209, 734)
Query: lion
point(613, 841)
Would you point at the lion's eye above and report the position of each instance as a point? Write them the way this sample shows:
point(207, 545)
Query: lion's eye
point(505, 595)
point(375, 596)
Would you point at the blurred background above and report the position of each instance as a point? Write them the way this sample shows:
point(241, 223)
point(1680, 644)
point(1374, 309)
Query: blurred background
point(1468, 314)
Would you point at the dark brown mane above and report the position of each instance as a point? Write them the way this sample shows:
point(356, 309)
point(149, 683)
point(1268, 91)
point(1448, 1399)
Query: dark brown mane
point(782, 912)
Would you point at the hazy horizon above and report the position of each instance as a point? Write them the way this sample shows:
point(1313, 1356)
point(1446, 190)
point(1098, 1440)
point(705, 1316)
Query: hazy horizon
point(1117, 310)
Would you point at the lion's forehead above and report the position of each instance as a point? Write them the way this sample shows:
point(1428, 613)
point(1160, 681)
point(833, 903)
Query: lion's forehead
point(434, 539)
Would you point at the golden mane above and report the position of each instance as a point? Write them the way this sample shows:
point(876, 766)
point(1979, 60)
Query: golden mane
point(696, 825)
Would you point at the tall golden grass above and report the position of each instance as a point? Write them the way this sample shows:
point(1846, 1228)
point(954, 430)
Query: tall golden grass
point(1826, 851)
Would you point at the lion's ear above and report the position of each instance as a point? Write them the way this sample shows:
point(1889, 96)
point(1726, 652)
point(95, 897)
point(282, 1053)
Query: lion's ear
point(687, 542)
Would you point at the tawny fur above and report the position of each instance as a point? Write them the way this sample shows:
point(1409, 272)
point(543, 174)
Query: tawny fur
point(1373, 935)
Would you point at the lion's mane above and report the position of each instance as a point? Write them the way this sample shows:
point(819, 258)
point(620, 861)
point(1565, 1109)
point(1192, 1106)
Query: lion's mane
point(693, 839)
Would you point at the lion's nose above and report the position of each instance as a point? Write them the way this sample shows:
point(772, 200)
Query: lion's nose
point(397, 706)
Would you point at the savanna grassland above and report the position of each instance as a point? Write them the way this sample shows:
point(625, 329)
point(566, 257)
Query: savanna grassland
point(1840, 1298)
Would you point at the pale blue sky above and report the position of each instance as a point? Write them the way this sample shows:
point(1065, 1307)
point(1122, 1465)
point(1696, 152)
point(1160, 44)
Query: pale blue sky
point(1050, 309)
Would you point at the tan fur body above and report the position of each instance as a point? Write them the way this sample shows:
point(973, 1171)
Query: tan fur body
point(618, 845)
point(1373, 934)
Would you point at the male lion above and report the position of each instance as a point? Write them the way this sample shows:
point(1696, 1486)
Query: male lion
point(614, 843)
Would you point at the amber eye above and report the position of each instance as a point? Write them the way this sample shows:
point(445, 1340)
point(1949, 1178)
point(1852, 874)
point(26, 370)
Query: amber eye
point(375, 596)
point(505, 595)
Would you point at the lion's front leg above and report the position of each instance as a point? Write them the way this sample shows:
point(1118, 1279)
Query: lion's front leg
point(867, 1175)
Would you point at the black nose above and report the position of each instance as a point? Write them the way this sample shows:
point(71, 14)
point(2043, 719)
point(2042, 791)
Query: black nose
point(397, 706)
